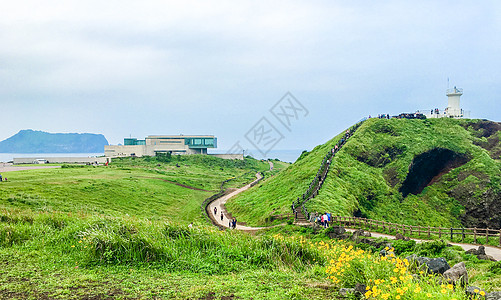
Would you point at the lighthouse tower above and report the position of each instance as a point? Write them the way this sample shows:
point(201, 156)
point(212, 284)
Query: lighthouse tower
point(453, 109)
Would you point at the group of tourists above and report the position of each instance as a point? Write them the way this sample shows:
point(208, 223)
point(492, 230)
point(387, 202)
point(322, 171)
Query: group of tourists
point(322, 220)
point(232, 223)
point(383, 116)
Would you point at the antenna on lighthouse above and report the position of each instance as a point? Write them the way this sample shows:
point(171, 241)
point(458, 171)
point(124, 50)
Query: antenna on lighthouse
point(447, 82)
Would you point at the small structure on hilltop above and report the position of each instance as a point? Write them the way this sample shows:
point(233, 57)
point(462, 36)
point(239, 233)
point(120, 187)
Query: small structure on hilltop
point(453, 109)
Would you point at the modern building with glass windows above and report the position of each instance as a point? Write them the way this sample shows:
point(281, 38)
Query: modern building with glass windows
point(153, 144)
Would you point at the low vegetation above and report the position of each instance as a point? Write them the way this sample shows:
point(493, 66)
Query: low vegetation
point(369, 176)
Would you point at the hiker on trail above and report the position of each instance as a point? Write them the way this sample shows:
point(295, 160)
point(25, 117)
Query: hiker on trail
point(336, 147)
point(0, 177)
point(222, 216)
point(234, 223)
point(191, 225)
point(215, 210)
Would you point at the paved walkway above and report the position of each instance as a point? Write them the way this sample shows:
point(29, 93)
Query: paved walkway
point(489, 250)
point(219, 204)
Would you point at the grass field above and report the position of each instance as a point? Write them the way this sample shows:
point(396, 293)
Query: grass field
point(139, 188)
point(120, 232)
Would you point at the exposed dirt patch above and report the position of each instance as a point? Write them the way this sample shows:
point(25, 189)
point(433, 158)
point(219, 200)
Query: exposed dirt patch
point(380, 157)
point(428, 167)
point(178, 184)
point(212, 296)
point(465, 174)
point(484, 128)
point(385, 128)
point(391, 176)
point(489, 130)
point(483, 211)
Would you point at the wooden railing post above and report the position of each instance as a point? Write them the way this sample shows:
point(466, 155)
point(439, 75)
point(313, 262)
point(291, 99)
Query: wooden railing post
point(500, 237)
point(475, 235)
point(451, 234)
point(462, 240)
point(429, 232)
point(439, 232)
point(486, 235)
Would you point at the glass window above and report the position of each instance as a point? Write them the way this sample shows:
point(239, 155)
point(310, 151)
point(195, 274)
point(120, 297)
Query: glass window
point(209, 142)
point(197, 141)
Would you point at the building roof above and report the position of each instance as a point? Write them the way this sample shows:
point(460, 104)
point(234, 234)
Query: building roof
point(178, 136)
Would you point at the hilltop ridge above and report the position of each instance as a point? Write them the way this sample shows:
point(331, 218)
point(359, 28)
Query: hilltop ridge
point(436, 172)
point(32, 141)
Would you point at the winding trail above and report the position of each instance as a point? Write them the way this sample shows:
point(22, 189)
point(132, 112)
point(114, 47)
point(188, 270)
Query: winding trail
point(489, 250)
point(219, 205)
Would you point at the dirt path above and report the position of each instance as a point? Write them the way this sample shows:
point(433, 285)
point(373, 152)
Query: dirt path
point(489, 250)
point(219, 205)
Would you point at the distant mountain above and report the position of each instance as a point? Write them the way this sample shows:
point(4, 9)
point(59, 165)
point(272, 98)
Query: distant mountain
point(31, 141)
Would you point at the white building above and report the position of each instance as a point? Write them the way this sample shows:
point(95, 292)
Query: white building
point(453, 109)
point(153, 144)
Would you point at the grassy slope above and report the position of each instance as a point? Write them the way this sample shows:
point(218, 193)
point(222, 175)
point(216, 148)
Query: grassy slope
point(359, 185)
point(134, 187)
point(352, 184)
point(65, 234)
point(274, 195)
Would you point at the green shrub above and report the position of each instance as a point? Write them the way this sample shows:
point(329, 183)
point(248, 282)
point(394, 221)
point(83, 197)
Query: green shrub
point(433, 248)
point(495, 267)
point(402, 246)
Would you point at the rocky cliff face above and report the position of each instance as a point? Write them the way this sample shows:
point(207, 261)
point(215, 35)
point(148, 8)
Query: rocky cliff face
point(31, 141)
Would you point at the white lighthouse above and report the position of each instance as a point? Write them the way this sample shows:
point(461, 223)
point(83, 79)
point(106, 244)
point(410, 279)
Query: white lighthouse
point(453, 109)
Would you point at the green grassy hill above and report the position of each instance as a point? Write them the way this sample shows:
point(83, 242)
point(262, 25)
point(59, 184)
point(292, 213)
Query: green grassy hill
point(437, 172)
point(141, 187)
point(120, 232)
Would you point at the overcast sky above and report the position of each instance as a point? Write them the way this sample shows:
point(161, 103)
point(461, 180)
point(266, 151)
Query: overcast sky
point(141, 68)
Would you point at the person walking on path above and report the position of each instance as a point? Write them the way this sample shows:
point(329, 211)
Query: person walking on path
point(0, 177)
point(215, 210)
point(222, 216)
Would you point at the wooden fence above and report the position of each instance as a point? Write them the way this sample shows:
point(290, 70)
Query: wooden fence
point(376, 225)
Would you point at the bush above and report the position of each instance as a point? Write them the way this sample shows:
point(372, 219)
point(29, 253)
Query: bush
point(402, 246)
point(433, 248)
point(163, 157)
point(495, 267)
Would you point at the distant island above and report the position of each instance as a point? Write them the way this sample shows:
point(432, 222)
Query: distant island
point(33, 141)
